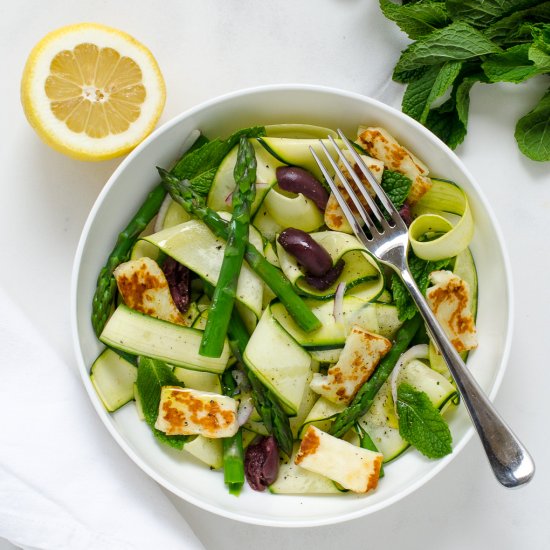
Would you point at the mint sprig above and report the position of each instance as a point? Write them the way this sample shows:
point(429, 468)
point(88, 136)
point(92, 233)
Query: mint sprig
point(200, 165)
point(422, 92)
point(421, 424)
point(458, 43)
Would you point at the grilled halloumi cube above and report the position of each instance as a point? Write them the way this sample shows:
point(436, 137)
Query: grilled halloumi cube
point(449, 299)
point(334, 216)
point(143, 287)
point(381, 145)
point(352, 467)
point(362, 352)
point(183, 411)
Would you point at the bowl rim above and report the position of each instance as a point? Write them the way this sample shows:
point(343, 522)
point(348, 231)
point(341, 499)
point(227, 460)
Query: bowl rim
point(83, 370)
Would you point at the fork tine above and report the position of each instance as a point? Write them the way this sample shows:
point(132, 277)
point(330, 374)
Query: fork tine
point(380, 193)
point(339, 197)
point(360, 209)
point(373, 206)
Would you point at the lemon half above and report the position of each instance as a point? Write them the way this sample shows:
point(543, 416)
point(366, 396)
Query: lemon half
point(91, 91)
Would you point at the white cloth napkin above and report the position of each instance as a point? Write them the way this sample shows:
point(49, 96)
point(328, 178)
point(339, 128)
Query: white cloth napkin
point(64, 483)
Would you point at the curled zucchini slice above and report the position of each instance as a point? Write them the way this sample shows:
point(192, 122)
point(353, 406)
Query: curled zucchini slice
point(434, 235)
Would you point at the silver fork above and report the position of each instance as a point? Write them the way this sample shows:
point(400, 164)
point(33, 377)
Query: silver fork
point(388, 241)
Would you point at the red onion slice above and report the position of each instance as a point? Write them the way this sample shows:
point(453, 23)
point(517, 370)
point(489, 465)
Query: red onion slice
point(246, 406)
point(338, 310)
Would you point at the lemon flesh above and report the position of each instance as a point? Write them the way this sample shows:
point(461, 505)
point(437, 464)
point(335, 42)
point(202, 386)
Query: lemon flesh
point(91, 91)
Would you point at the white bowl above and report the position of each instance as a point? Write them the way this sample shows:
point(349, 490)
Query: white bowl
point(125, 191)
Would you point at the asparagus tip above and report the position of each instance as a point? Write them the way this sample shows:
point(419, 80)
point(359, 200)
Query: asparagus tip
point(164, 174)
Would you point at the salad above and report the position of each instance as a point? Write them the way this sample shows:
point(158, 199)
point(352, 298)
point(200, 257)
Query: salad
point(254, 331)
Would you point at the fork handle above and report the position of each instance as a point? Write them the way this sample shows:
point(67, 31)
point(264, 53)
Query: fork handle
point(509, 459)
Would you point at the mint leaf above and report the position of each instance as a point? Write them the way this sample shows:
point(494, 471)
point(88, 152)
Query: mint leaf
point(421, 424)
point(533, 131)
point(512, 65)
point(483, 13)
point(418, 19)
point(200, 165)
point(404, 76)
point(445, 123)
point(152, 375)
point(421, 93)
point(449, 121)
point(199, 142)
point(420, 270)
point(505, 30)
point(458, 41)
point(462, 102)
point(406, 308)
point(397, 186)
point(539, 52)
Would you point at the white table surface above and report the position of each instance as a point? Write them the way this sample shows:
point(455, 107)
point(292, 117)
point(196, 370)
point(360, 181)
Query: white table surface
point(206, 48)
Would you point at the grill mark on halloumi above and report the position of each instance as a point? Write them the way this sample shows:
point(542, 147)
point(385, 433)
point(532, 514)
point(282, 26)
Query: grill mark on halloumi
point(183, 411)
point(449, 299)
point(352, 467)
point(143, 287)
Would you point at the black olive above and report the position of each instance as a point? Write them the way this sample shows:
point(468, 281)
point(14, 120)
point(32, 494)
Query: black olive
point(298, 180)
point(315, 259)
point(261, 463)
point(179, 281)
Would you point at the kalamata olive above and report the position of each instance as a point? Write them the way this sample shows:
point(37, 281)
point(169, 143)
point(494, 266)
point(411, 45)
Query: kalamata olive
point(261, 463)
point(328, 279)
point(298, 180)
point(178, 278)
point(405, 213)
point(311, 255)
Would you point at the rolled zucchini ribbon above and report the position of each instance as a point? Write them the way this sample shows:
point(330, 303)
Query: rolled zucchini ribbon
point(437, 213)
point(297, 211)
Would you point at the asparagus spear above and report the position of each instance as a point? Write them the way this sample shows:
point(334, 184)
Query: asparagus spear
point(365, 396)
point(224, 294)
point(233, 454)
point(267, 405)
point(106, 283)
point(184, 195)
